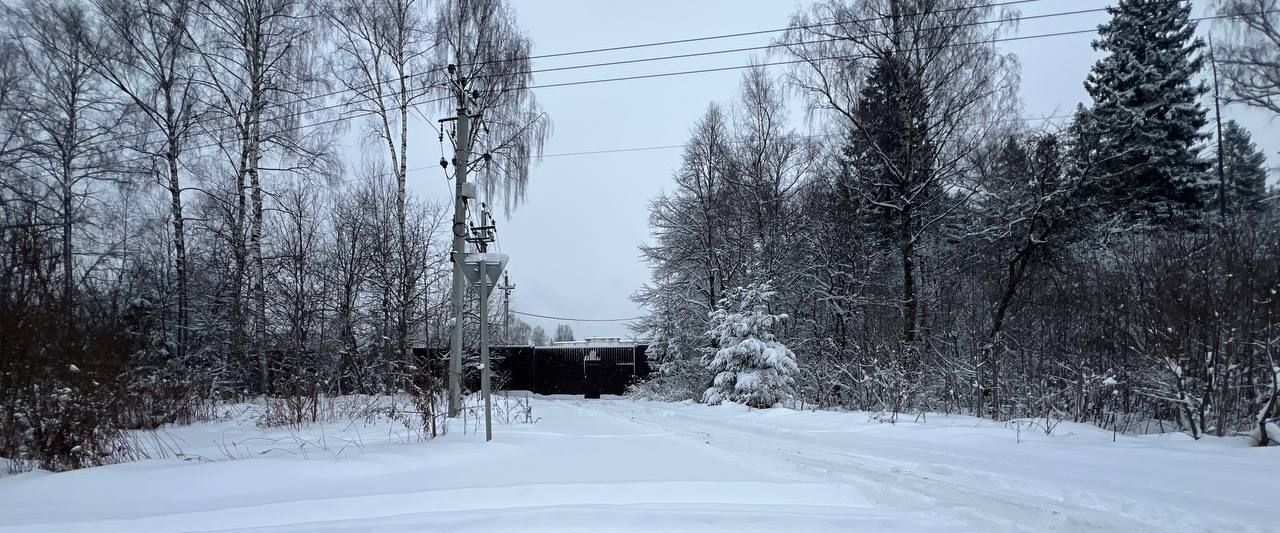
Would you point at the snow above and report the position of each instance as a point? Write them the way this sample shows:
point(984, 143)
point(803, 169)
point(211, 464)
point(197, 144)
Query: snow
point(621, 465)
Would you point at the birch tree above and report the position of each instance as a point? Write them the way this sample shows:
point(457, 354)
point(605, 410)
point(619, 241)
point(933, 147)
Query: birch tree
point(490, 76)
point(383, 64)
point(71, 117)
point(146, 55)
point(258, 73)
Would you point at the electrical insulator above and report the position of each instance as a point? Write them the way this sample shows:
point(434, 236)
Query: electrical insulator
point(444, 163)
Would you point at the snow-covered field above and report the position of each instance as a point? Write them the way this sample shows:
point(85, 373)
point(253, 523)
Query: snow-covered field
point(619, 465)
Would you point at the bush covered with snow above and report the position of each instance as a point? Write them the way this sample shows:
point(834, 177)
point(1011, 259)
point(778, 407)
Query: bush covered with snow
point(751, 366)
point(678, 380)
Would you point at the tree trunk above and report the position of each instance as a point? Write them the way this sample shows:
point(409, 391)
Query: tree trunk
point(238, 351)
point(179, 239)
point(406, 264)
point(68, 261)
point(259, 274)
point(908, 249)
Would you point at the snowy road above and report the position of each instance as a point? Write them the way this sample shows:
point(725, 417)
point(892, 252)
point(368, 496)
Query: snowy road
point(617, 465)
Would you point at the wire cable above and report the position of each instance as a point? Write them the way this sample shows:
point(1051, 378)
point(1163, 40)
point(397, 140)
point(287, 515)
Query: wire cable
point(745, 33)
point(788, 45)
point(300, 127)
point(673, 146)
point(360, 87)
point(513, 311)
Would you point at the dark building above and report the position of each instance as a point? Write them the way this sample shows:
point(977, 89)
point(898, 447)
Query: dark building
point(592, 367)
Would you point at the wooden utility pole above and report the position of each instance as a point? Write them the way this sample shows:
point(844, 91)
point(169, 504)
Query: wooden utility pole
point(1217, 114)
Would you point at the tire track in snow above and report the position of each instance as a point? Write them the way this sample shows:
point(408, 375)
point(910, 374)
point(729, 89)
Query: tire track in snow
point(796, 498)
point(983, 508)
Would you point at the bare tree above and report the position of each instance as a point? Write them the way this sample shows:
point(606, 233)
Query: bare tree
point(13, 79)
point(298, 286)
point(564, 333)
point(349, 265)
point(71, 118)
point(1023, 215)
point(258, 73)
point(383, 64)
point(538, 336)
point(770, 163)
point(146, 55)
point(1251, 61)
point(490, 54)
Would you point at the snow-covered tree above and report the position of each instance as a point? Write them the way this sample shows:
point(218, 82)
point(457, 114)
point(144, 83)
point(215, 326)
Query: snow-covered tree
point(751, 366)
point(1146, 110)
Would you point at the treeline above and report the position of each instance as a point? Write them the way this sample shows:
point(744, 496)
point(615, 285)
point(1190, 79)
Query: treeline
point(181, 220)
point(932, 250)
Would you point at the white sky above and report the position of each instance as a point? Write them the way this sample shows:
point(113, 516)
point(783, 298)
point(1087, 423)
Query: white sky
point(573, 243)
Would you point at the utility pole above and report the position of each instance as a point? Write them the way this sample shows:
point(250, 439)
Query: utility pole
point(481, 236)
point(485, 371)
point(461, 158)
point(1217, 113)
point(506, 307)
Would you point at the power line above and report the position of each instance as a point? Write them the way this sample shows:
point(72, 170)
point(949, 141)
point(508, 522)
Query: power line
point(665, 74)
point(742, 141)
point(858, 56)
point(513, 311)
point(360, 87)
point(748, 33)
point(787, 45)
point(674, 146)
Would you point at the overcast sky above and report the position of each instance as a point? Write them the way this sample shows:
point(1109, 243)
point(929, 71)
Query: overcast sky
point(573, 243)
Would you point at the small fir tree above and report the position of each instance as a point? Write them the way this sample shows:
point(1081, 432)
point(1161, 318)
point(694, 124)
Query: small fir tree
point(751, 366)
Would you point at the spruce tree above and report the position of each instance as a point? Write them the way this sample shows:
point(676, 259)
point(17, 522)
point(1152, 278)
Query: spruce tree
point(1146, 114)
point(890, 180)
point(888, 156)
point(751, 366)
point(1243, 167)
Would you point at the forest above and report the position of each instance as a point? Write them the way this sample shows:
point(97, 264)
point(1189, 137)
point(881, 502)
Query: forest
point(932, 251)
point(180, 224)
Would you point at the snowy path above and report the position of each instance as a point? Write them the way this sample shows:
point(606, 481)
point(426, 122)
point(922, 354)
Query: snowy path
point(617, 465)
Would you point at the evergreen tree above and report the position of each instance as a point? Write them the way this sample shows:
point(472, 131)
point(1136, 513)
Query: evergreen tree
point(1243, 168)
point(890, 184)
point(751, 366)
point(888, 154)
point(1146, 113)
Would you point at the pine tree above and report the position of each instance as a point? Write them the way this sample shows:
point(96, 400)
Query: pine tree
point(751, 366)
point(1146, 113)
point(1243, 167)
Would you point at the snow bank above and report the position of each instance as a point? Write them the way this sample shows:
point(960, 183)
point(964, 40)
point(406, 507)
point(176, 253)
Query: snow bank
point(620, 465)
